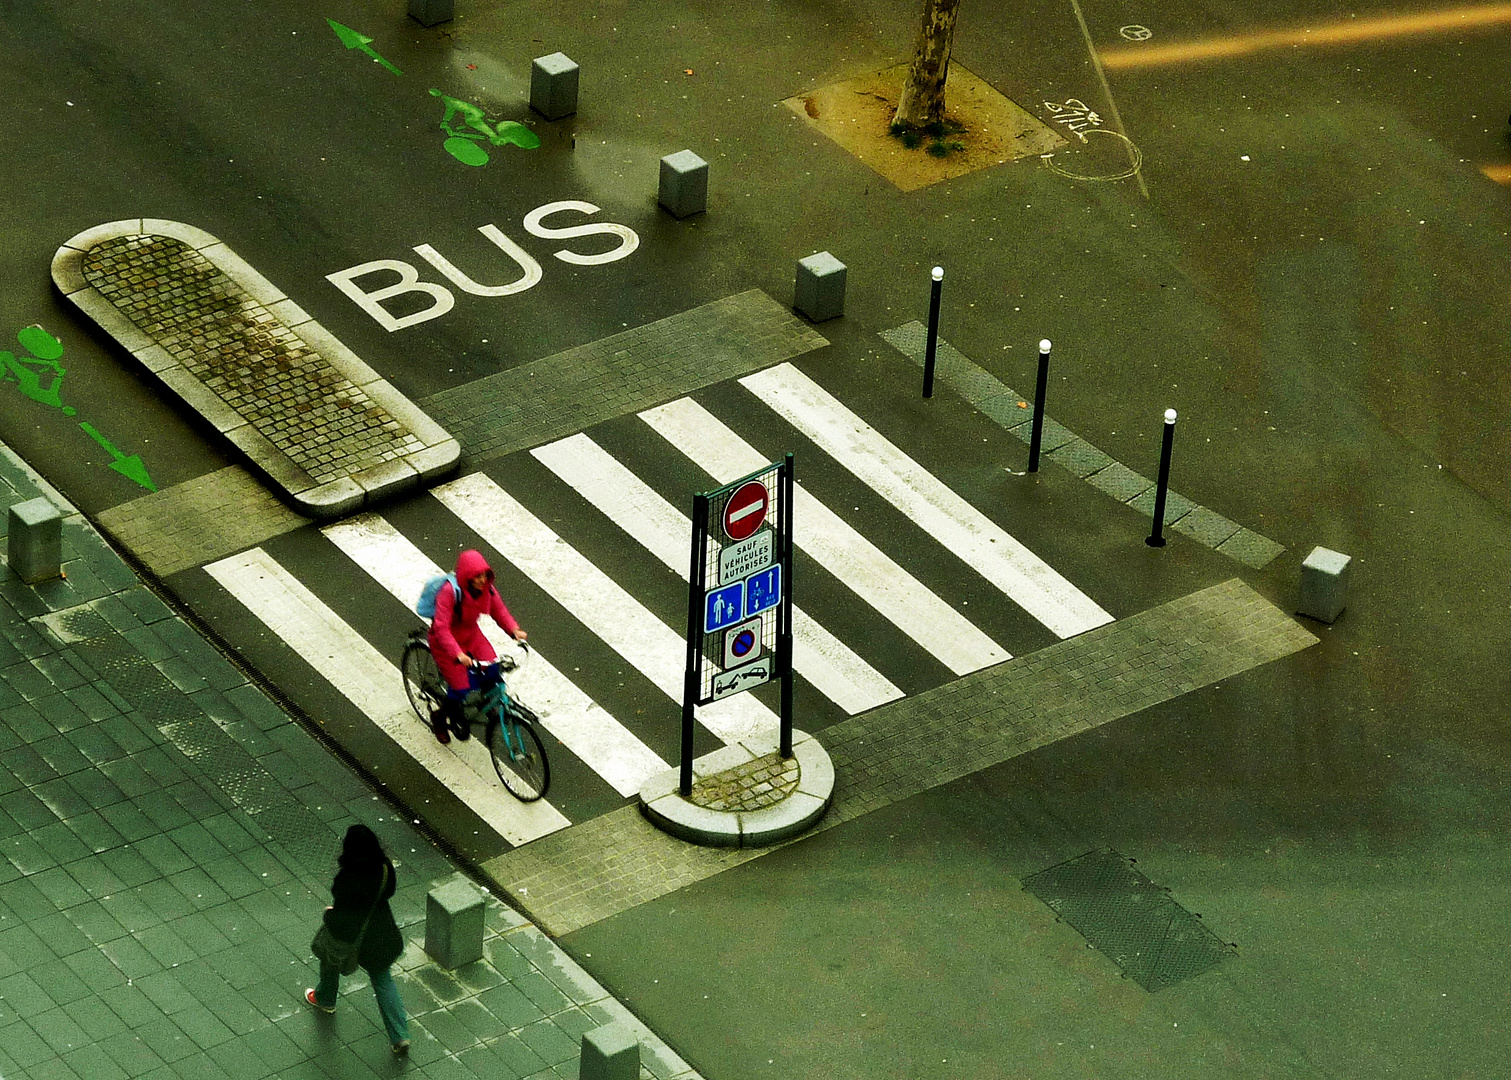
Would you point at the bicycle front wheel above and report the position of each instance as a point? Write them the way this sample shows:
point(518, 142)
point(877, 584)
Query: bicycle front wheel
point(519, 758)
point(422, 681)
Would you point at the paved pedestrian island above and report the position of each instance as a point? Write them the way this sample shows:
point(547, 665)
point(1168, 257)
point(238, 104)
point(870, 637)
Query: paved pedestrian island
point(581, 875)
point(310, 415)
point(167, 842)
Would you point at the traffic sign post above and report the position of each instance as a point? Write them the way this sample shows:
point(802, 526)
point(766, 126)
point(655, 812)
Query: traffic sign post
point(739, 613)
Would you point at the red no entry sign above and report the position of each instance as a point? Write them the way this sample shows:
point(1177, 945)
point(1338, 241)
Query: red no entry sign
point(745, 511)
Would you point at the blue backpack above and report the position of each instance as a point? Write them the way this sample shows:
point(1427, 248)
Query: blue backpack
point(425, 606)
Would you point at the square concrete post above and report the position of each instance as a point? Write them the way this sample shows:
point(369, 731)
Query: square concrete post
point(553, 85)
point(454, 923)
point(34, 542)
point(430, 12)
point(684, 183)
point(610, 1052)
point(1324, 584)
point(820, 290)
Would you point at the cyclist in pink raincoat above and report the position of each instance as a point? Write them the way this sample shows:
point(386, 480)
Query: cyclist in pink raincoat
point(456, 639)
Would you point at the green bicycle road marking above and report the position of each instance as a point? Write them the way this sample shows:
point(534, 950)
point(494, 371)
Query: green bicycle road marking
point(463, 145)
point(27, 372)
point(353, 40)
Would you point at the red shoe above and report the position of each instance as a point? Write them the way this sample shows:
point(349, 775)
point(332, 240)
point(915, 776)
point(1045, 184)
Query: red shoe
point(438, 725)
point(309, 995)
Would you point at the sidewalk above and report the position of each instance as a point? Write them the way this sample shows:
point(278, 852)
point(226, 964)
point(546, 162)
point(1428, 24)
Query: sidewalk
point(169, 836)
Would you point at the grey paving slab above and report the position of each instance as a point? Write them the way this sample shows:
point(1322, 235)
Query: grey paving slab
point(167, 836)
point(1250, 548)
point(562, 394)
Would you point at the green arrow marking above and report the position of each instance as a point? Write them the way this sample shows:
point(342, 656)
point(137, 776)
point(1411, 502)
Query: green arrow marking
point(353, 40)
point(130, 467)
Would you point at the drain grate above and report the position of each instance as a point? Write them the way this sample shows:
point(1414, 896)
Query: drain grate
point(1129, 918)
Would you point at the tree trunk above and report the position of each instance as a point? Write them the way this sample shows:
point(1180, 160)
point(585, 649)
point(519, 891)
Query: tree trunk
point(922, 100)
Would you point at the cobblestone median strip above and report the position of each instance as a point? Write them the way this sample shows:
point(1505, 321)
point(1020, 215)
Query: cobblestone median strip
point(591, 871)
point(302, 406)
point(1059, 444)
point(562, 394)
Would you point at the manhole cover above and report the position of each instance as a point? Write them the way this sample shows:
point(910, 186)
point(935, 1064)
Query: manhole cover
point(1130, 919)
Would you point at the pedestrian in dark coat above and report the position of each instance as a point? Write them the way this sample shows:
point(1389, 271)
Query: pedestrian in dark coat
point(364, 882)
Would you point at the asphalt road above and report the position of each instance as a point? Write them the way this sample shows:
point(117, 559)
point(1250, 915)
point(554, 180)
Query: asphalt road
point(1316, 280)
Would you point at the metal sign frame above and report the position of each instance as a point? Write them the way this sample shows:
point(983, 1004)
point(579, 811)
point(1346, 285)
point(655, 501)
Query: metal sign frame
point(707, 678)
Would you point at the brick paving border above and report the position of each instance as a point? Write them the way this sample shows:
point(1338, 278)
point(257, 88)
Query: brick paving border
point(562, 394)
point(1059, 444)
point(576, 877)
point(280, 387)
point(199, 520)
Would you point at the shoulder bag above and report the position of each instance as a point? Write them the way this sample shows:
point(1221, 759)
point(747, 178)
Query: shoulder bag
point(343, 955)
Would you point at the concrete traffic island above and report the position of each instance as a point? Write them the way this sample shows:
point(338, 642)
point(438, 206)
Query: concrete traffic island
point(744, 796)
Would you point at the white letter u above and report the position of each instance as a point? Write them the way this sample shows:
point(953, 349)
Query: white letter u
point(530, 267)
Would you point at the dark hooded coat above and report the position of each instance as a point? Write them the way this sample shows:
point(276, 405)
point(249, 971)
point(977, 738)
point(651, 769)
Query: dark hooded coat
point(352, 894)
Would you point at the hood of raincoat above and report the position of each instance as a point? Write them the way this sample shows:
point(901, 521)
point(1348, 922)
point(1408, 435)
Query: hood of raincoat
point(469, 564)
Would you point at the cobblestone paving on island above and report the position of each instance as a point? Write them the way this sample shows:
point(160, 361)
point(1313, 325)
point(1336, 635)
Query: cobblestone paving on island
point(563, 394)
point(245, 354)
point(591, 871)
point(755, 785)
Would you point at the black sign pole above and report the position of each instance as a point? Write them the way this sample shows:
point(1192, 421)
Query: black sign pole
point(784, 610)
point(691, 684)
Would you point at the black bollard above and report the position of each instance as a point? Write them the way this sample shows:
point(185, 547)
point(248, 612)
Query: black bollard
point(933, 339)
point(1157, 537)
point(1038, 429)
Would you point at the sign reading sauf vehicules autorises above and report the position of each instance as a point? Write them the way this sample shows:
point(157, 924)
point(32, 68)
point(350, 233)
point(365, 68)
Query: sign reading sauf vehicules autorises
point(739, 615)
point(442, 299)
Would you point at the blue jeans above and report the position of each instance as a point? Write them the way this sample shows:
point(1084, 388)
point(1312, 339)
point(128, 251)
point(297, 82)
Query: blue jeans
point(390, 1007)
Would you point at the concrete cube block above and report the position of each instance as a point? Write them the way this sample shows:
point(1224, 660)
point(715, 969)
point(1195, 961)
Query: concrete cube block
point(610, 1052)
point(820, 290)
point(1324, 584)
point(34, 543)
point(553, 86)
point(430, 12)
point(454, 923)
point(684, 183)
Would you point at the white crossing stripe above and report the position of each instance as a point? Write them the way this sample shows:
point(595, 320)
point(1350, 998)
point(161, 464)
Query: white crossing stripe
point(834, 544)
point(373, 684)
point(596, 601)
point(583, 726)
point(984, 546)
point(826, 662)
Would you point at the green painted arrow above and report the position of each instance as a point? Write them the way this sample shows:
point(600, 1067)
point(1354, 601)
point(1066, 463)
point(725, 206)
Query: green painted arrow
point(353, 40)
point(130, 467)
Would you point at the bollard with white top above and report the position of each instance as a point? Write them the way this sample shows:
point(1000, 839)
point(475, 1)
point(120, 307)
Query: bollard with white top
point(34, 541)
point(1324, 584)
point(1037, 436)
point(931, 343)
point(1162, 487)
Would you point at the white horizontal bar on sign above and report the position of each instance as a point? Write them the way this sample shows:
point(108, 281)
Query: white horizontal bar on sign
point(832, 542)
point(596, 601)
point(820, 657)
point(1028, 580)
point(371, 682)
point(602, 743)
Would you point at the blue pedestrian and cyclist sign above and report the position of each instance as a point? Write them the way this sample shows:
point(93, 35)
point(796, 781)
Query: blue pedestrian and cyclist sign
point(739, 618)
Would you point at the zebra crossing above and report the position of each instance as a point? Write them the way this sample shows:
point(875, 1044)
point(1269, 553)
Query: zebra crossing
point(596, 618)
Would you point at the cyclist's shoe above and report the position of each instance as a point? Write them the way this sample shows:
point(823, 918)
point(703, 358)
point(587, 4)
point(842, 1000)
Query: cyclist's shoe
point(438, 726)
point(461, 728)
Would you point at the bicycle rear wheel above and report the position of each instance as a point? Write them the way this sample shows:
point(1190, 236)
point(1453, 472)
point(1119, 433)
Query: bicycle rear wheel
point(422, 680)
point(519, 759)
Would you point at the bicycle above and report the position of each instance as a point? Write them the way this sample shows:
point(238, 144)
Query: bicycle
point(518, 756)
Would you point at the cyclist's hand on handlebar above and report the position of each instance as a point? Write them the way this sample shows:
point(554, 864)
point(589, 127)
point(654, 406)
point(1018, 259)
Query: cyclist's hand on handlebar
point(465, 660)
point(520, 635)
